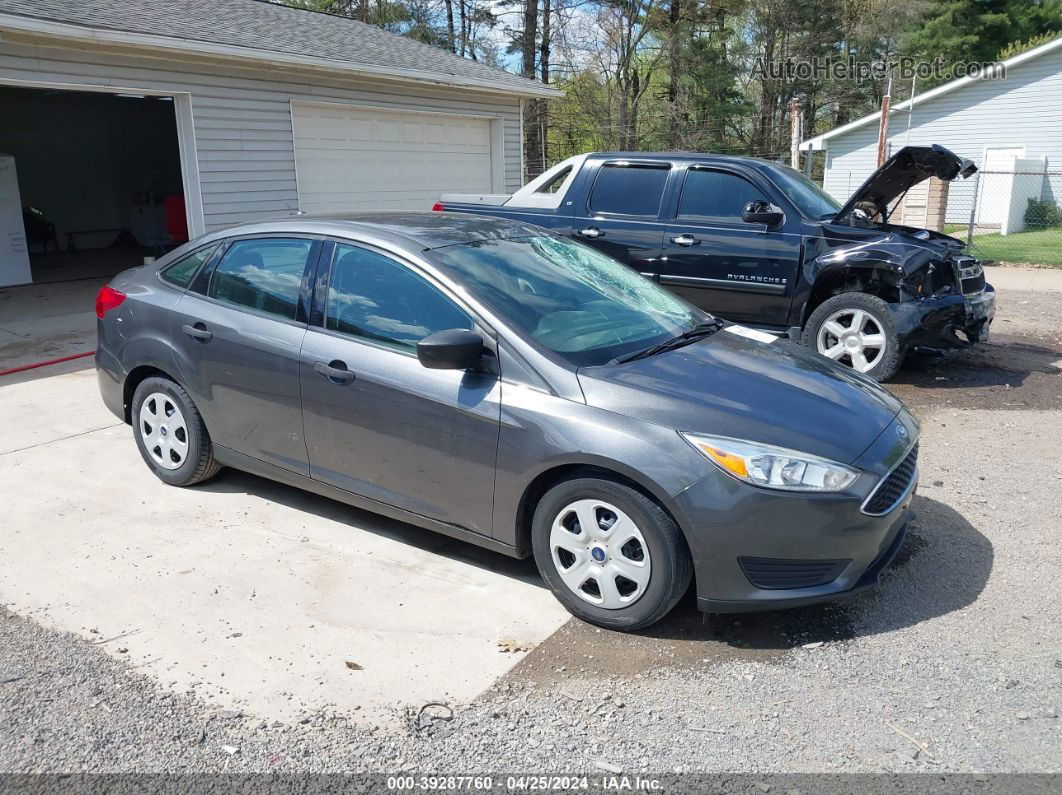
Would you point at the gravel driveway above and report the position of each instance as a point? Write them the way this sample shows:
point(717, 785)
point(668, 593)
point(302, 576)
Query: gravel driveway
point(953, 664)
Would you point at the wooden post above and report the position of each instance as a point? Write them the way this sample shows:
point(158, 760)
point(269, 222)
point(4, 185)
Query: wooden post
point(883, 125)
point(794, 134)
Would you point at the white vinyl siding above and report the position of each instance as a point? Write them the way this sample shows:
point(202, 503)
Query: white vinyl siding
point(354, 158)
point(1022, 110)
point(242, 117)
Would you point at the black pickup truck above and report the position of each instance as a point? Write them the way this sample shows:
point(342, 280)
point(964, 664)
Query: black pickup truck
point(756, 242)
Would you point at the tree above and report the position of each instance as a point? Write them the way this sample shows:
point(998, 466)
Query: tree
point(960, 31)
point(690, 74)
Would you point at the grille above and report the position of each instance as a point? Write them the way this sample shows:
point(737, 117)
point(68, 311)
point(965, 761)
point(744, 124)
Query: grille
point(893, 486)
point(775, 573)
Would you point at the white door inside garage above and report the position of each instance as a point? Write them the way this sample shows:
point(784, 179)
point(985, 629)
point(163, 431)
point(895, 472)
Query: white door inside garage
point(355, 158)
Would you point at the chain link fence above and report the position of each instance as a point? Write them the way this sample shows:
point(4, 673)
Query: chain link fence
point(1003, 216)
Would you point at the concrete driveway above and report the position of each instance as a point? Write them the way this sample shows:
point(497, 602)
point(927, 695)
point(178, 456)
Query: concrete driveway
point(47, 321)
point(259, 596)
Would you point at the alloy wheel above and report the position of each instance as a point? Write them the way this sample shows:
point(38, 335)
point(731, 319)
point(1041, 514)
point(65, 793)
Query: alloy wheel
point(600, 554)
point(163, 430)
point(852, 336)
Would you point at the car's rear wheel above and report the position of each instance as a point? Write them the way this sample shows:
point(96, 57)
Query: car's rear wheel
point(855, 329)
point(610, 554)
point(170, 433)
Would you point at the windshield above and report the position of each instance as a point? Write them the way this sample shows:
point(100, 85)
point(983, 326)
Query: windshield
point(572, 300)
point(811, 200)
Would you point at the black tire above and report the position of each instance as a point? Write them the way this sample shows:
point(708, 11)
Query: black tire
point(887, 361)
point(670, 566)
point(198, 463)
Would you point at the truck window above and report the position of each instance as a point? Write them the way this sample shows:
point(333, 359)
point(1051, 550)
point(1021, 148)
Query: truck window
point(629, 189)
point(716, 194)
point(554, 184)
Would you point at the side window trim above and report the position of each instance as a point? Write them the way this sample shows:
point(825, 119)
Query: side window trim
point(201, 284)
point(660, 165)
point(323, 280)
point(202, 279)
point(319, 286)
point(729, 220)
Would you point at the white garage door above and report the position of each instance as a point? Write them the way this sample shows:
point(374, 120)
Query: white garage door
point(349, 158)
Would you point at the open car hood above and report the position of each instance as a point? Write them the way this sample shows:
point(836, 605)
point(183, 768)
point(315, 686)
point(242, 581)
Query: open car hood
point(902, 171)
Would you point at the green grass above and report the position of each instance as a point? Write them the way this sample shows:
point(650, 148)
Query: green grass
point(1042, 247)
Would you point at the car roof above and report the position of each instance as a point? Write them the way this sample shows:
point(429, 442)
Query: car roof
point(686, 157)
point(421, 230)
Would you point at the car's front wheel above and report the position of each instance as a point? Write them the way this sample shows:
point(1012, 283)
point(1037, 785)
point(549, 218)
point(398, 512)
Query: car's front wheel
point(610, 554)
point(856, 329)
point(170, 433)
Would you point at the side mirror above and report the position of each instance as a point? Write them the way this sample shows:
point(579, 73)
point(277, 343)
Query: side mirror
point(761, 212)
point(454, 349)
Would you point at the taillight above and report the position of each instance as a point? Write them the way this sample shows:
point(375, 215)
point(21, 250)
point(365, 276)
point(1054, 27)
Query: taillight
point(438, 207)
point(107, 299)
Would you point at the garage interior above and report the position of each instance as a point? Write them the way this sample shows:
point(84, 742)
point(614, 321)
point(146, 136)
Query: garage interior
point(98, 177)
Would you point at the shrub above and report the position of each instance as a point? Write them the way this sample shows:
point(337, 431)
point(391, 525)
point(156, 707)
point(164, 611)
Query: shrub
point(1042, 214)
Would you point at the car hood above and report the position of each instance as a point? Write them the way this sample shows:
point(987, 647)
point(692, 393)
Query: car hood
point(905, 169)
point(775, 392)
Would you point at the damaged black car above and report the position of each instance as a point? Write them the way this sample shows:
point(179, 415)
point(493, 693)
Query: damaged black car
point(756, 242)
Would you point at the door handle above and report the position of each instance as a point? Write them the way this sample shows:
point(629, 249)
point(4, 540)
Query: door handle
point(197, 331)
point(335, 371)
point(685, 240)
point(590, 232)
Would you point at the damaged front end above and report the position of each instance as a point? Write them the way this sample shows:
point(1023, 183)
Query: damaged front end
point(936, 295)
point(949, 308)
point(935, 292)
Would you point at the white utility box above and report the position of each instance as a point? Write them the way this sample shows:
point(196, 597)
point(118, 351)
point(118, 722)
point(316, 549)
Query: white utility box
point(14, 255)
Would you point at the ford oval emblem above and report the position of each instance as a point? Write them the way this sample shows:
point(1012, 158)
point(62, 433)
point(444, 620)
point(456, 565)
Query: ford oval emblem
point(901, 431)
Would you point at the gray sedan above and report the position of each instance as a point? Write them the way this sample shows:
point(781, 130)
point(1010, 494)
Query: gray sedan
point(499, 384)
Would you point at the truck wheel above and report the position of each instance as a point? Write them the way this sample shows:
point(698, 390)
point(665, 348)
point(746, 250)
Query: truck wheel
point(611, 556)
point(855, 329)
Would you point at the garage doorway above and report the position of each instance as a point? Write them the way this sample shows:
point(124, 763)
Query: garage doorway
point(98, 176)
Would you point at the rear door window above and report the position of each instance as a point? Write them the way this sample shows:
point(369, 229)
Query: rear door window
point(629, 189)
point(264, 275)
point(716, 194)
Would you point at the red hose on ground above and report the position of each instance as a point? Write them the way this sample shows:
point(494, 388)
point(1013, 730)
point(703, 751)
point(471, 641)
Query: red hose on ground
point(46, 363)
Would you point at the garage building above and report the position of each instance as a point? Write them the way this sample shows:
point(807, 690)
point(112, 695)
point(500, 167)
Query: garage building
point(128, 127)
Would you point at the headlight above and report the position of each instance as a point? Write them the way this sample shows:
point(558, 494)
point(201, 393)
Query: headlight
point(773, 467)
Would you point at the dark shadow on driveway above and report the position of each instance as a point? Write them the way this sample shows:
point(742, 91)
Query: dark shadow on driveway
point(232, 481)
point(1012, 374)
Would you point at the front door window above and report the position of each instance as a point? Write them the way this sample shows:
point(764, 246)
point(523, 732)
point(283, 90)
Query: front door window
point(372, 297)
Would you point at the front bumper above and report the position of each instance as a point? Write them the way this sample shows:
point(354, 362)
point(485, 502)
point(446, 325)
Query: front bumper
point(749, 545)
point(944, 323)
point(796, 598)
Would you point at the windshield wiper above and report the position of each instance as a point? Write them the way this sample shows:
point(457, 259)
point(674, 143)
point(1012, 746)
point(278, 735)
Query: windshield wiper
point(699, 331)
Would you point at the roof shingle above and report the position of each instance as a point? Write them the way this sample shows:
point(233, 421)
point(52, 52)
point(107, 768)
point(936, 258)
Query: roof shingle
point(259, 25)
